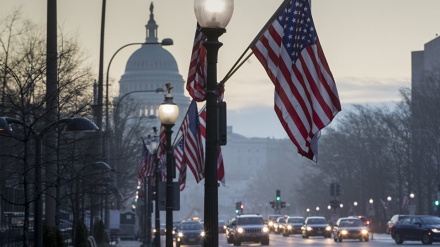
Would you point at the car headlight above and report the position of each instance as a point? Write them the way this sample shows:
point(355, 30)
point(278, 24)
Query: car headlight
point(240, 230)
point(328, 228)
point(344, 232)
point(364, 232)
point(265, 229)
point(180, 234)
point(270, 223)
point(202, 234)
point(289, 227)
point(224, 227)
point(309, 228)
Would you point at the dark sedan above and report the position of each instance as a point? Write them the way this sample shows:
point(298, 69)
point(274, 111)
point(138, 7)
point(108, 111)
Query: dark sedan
point(423, 228)
point(190, 233)
point(350, 228)
point(316, 226)
point(293, 226)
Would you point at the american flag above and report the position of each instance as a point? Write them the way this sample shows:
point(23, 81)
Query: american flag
point(220, 163)
point(146, 164)
point(180, 164)
point(192, 142)
point(162, 152)
point(306, 98)
point(196, 83)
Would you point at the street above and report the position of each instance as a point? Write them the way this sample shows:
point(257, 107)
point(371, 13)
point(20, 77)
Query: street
point(378, 240)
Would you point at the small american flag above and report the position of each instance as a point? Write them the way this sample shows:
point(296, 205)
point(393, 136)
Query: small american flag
point(193, 154)
point(306, 98)
point(220, 163)
point(180, 164)
point(196, 83)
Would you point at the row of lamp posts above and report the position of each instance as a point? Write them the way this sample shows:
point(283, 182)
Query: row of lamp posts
point(213, 17)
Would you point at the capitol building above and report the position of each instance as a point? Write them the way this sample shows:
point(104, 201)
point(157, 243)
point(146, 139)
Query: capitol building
point(247, 160)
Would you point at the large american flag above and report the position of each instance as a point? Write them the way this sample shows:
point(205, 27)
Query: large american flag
point(220, 163)
point(306, 98)
point(180, 164)
point(193, 154)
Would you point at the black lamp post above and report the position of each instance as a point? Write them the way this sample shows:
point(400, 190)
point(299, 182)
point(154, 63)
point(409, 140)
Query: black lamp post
point(168, 114)
point(72, 124)
point(213, 17)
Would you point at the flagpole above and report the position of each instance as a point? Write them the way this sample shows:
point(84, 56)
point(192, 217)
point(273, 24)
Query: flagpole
point(272, 18)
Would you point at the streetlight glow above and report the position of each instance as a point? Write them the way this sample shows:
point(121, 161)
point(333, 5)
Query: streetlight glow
point(213, 13)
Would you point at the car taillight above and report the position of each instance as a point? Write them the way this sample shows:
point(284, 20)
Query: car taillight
point(367, 222)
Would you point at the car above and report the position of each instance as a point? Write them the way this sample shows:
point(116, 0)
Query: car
point(249, 228)
point(293, 225)
point(425, 228)
point(162, 229)
point(190, 232)
point(393, 221)
point(364, 219)
point(316, 226)
point(278, 225)
point(350, 228)
point(221, 226)
point(230, 231)
point(271, 219)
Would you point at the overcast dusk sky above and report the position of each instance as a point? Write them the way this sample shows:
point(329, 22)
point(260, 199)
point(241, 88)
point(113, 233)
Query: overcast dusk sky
point(367, 44)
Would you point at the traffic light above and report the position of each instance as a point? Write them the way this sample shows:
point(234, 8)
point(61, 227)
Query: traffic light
point(272, 204)
point(278, 195)
point(241, 207)
point(332, 189)
point(338, 190)
point(436, 202)
point(283, 204)
point(237, 207)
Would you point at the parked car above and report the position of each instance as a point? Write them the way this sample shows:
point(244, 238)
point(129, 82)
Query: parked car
point(248, 228)
point(190, 233)
point(271, 219)
point(316, 226)
point(350, 228)
point(425, 228)
point(293, 225)
point(393, 221)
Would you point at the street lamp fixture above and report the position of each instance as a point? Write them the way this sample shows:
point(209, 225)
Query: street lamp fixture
point(411, 195)
point(389, 198)
point(73, 124)
point(371, 201)
point(168, 113)
point(355, 204)
point(213, 16)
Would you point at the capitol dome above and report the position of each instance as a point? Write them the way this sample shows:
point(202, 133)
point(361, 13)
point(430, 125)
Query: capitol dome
point(151, 67)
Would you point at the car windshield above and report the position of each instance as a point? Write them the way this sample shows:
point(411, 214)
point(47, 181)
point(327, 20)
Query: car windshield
point(431, 220)
point(191, 226)
point(316, 221)
point(351, 223)
point(295, 220)
point(250, 221)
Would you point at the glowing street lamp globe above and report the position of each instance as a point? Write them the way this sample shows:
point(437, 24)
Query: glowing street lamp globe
point(213, 13)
